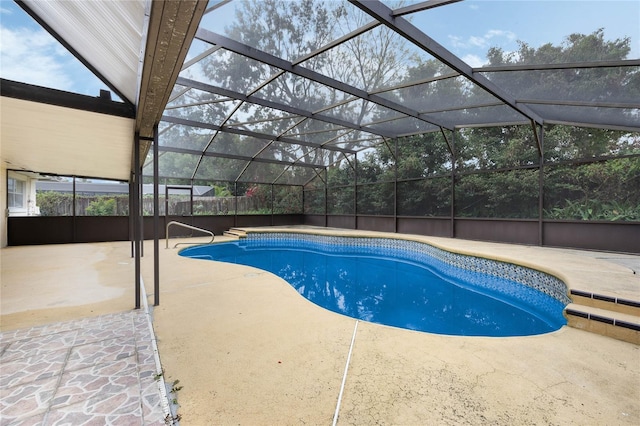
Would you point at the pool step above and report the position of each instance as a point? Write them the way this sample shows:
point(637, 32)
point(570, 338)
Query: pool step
point(235, 232)
point(614, 317)
point(617, 304)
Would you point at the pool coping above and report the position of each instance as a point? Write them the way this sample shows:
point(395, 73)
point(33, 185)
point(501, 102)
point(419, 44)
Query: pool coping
point(394, 374)
point(572, 311)
point(434, 241)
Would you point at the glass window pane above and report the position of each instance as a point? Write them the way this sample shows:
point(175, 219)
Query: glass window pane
point(511, 194)
point(16, 194)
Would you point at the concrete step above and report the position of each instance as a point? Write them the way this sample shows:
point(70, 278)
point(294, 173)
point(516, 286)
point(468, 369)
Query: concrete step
point(604, 320)
point(609, 303)
point(235, 232)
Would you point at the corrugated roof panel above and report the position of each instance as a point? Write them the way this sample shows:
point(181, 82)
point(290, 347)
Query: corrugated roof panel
point(107, 34)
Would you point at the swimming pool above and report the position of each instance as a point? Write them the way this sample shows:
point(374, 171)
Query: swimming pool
point(404, 283)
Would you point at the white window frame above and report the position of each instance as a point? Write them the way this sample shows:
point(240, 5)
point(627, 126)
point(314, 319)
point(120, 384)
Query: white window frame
point(11, 195)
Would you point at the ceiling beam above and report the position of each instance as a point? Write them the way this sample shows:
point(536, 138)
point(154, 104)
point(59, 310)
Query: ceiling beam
point(279, 106)
point(385, 15)
point(238, 157)
point(172, 25)
point(418, 7)
point(249, 133)
point(45, 95)
point(559, 66)
point(260, 56)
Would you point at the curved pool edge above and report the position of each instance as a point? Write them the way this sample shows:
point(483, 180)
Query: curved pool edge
point(537, 267)
point(418, 250)
point(430, 240)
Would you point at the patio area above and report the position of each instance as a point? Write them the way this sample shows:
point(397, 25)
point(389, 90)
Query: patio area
point(248, 349)
point(72, 351)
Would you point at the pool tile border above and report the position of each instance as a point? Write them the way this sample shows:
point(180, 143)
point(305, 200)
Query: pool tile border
point(537, 280)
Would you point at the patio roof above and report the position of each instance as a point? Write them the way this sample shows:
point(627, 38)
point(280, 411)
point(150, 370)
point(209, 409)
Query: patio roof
point(298, 84)
point(136, 48)
point(274, 92)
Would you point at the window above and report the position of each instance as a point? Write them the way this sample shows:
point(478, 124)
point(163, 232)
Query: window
point(16, 197)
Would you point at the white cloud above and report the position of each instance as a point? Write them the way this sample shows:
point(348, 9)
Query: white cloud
point(33, 57)
point(456, 41)
point(477, 41)
point(474, 61)
point(484, 41)
point(509, 35)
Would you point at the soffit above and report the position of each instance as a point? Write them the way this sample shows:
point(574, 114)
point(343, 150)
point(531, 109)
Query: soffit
point(32, 135)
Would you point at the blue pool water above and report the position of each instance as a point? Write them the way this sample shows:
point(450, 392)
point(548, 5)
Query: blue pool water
point(397, 290)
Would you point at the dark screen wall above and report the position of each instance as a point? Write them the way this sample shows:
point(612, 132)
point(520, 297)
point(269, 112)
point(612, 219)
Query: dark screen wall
point(606, 236)
point(33, 230)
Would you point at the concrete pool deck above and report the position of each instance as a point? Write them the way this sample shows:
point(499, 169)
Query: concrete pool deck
point(247, 349)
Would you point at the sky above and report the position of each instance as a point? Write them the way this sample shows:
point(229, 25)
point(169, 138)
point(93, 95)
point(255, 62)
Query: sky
point(29, 54)
point(470, 28)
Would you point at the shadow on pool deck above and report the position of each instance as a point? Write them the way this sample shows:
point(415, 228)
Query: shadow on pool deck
point(248, 349)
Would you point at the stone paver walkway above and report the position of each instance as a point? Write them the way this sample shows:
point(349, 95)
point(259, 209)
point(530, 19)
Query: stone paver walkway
point(98, 370)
